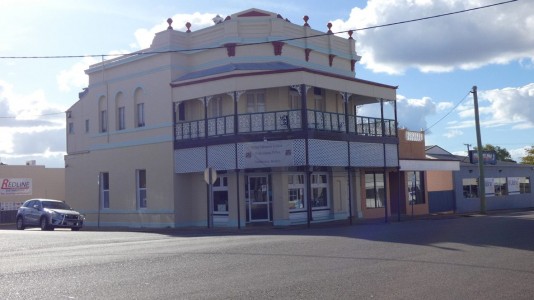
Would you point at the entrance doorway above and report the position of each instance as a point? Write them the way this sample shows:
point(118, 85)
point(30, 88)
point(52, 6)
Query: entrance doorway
point(258, 192)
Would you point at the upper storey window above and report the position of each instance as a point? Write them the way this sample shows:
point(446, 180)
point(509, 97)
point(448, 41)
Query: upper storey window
point(215, 107)
point(255, 101)
point(103, 120)
point(140, 114)
point(294, 99)
point(318, 99)
point(139, 107)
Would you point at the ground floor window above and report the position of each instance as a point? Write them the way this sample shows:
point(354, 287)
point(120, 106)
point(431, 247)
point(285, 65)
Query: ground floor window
point(319, 190)
point(416, 187)
point(524, 185)
point(374, 190)
point(220, 196)
point(141, 188)
point(104, 189)
point(499, 185)
point(470, 187)
point(296, 187)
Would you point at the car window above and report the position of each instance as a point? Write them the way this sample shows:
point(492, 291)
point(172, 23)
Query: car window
point(55, 205)
point(30, 203)
point(27, 203)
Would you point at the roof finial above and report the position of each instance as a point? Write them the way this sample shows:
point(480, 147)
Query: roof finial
point(169, 21)
point(306, 18)
point(329, 25)
point(188, 26)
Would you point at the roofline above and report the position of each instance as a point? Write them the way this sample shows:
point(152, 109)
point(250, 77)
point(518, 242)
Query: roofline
point(283, 71)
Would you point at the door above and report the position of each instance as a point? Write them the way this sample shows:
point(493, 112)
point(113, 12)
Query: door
point(258, 200)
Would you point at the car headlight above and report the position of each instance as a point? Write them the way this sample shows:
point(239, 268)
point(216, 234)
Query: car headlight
point(81, 217)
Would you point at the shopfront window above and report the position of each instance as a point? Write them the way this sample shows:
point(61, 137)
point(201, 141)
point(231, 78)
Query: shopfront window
point(296, 188)
point(416, 188)
point(319, 190)
point(524, 185)
point(374, 190)
point(499, 185)
point(470, 187)
point(220, 196)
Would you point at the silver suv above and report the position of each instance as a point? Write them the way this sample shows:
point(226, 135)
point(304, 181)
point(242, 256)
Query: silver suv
point(48, 214)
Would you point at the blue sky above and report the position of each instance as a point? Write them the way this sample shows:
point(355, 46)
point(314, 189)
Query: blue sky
point(435, 62)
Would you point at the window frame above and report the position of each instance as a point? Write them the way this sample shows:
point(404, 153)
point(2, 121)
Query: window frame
point(256, 104)
point(220, 186)
point(415, 187)
point(121, 118)
point(300, 203)
point(140, 114)
point(378, 203)
point(104, 190)
point(315, 186)
point(141, 188)
point(103, 121)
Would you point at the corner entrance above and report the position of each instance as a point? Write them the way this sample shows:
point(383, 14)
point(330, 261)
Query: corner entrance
point(257, 193)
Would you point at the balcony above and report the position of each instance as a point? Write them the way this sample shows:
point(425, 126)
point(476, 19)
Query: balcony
point(284, 121)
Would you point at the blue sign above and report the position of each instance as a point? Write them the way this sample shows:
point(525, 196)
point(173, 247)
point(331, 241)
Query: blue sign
point(489, 157)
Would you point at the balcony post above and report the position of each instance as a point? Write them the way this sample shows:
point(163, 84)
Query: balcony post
point(396, 124)
point(349, 171)
point(382, 123)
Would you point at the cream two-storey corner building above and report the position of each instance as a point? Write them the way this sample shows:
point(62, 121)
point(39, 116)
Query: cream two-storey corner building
point(273, 108)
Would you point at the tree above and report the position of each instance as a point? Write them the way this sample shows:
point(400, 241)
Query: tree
point(502, 153)
point(529, 158)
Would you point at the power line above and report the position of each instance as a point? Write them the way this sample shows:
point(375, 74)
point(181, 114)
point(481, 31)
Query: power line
point(259, 43)
point(448, 113)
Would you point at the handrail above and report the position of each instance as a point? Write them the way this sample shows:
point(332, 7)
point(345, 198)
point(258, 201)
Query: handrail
point(284, 120)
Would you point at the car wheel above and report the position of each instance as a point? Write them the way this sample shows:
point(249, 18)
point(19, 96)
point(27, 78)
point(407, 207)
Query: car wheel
point(20, 223)
point(44, 224)
point(75, 228)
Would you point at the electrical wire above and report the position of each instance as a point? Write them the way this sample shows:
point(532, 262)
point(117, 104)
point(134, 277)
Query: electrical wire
point(457, 104)
point(260, 43)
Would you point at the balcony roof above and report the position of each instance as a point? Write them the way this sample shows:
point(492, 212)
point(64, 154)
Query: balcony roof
point(264, 66)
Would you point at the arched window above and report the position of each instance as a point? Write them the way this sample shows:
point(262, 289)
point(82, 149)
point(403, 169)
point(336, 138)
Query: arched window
point(120, 110)
point(103, 114)
point(139, 108)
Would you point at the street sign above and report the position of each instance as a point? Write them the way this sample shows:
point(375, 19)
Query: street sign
point(207, 175)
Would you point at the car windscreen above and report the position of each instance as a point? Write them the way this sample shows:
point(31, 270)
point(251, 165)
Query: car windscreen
point(55, 205)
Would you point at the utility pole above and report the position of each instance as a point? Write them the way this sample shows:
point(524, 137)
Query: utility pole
point(481, 179)
point(468, 145)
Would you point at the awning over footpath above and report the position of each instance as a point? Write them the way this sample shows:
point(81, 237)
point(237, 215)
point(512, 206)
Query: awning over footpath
point(428, 165)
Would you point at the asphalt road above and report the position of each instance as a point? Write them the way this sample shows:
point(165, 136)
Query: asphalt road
point(480, 257)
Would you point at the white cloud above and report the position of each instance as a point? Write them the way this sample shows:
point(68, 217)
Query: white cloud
point(444, 106)
point(198, 21)
point(517, 154)
point(412, 113)
point(510, 106)
point(31, 126)
point(453, 133)
point(75, 77)
point(495, 35)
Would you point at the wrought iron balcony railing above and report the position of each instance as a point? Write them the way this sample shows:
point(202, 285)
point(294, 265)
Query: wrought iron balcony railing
point(287, 120)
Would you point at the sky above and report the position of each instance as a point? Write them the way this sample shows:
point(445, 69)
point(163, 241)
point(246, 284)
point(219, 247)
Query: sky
point(434, 62)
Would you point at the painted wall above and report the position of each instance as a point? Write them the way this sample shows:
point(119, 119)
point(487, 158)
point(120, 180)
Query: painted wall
point(46, 183)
